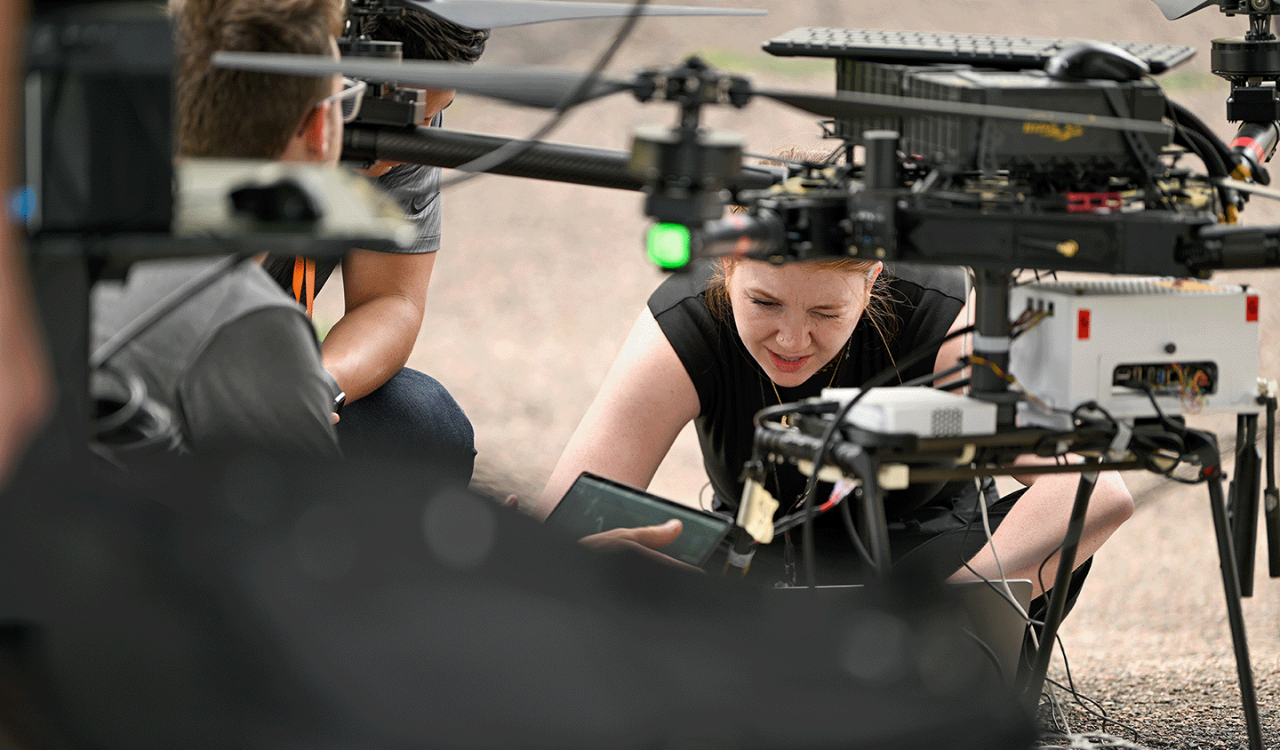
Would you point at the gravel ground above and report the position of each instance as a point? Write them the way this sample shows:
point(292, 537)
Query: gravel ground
point(539, 282)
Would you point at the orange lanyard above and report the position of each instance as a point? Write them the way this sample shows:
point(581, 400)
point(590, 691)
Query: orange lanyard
point(304, 275)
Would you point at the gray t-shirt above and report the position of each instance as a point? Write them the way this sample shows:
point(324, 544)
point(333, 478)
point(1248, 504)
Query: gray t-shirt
point(237, 363)
point(417, 189)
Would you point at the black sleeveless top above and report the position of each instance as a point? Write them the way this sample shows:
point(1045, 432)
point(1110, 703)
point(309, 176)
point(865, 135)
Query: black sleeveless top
point(922, 303)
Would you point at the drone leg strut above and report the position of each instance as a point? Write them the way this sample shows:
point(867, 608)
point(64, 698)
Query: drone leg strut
point(1242, 499)
point(871, 511)
point(991, 344)
point(1058, 594)
point(1235, 614)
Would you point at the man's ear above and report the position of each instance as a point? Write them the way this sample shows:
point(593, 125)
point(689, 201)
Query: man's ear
point(315, 132)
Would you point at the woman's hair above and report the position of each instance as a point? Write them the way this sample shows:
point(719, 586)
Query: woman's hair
point(878, 310)
point(423, 36)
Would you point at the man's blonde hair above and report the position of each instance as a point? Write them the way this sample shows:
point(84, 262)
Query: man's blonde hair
point(242, 114)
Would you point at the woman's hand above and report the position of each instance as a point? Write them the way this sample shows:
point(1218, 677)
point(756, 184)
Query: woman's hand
point(646, 540)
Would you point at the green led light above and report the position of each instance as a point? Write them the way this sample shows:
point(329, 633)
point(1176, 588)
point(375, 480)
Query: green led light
point(668, 246)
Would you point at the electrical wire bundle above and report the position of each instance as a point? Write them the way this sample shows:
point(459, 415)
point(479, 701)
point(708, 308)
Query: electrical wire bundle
point(127, 423)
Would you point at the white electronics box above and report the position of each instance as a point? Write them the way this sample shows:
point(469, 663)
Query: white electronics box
point(1192, 344)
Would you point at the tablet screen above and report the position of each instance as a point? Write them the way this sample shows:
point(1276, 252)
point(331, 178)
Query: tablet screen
point(594, 504)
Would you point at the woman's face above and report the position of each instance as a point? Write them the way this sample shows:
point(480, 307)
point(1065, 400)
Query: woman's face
point(795, 318)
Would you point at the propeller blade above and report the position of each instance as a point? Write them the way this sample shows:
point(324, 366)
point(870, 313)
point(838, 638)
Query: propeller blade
point(848, 105)
point(1175, 9)
point(529, 86)
point(492, 14)
point(547, 88)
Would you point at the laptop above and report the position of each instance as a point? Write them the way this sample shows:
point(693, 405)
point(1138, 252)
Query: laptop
point(984, 611)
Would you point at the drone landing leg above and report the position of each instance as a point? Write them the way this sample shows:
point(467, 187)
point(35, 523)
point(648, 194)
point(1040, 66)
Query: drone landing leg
point(871, 512)
point(1271, 504)
point(1242, 499)
point(1231, 587)
point(1058, 595)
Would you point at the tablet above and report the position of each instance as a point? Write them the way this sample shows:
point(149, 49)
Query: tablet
point(594, 504)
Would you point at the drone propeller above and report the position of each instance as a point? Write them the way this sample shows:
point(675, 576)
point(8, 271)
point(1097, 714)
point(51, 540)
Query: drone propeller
point(1175, 9)
point(848, 104)
point(492, 14)
point(529, 86)
point(549, 87)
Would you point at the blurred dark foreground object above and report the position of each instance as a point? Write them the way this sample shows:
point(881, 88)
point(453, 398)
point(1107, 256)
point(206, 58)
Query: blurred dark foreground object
point(253, 602)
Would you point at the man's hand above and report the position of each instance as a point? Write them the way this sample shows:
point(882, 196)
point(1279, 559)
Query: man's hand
point(646, 540)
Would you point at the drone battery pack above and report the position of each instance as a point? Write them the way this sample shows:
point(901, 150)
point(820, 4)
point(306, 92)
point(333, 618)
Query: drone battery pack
point(1190, 345)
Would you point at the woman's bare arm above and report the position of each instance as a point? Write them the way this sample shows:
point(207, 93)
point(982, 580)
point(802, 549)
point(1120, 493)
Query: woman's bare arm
point(645, 400)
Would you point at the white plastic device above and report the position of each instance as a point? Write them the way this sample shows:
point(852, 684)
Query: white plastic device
point(926, 412)
point(1101, 340)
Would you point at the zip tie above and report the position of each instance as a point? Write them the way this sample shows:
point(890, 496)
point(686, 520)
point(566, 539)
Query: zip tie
point(1120, 443)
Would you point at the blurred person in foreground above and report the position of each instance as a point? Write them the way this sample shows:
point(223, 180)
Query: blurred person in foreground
point(25, 380)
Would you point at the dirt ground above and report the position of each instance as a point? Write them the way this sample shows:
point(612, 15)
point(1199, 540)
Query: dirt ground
point(538, 283)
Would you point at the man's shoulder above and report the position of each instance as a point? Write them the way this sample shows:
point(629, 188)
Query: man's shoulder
point(215, 290)
point(259, 380)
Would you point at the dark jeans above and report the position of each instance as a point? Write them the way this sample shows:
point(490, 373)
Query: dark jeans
point(941, 552)
point(411, 416)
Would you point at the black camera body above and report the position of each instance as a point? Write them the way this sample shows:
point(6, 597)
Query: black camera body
point(98, 150)
point(384, 103)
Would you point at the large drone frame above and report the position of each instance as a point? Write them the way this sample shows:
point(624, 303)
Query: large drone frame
point(686, 171)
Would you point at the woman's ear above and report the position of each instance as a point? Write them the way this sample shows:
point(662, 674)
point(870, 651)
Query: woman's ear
point(873, 273)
